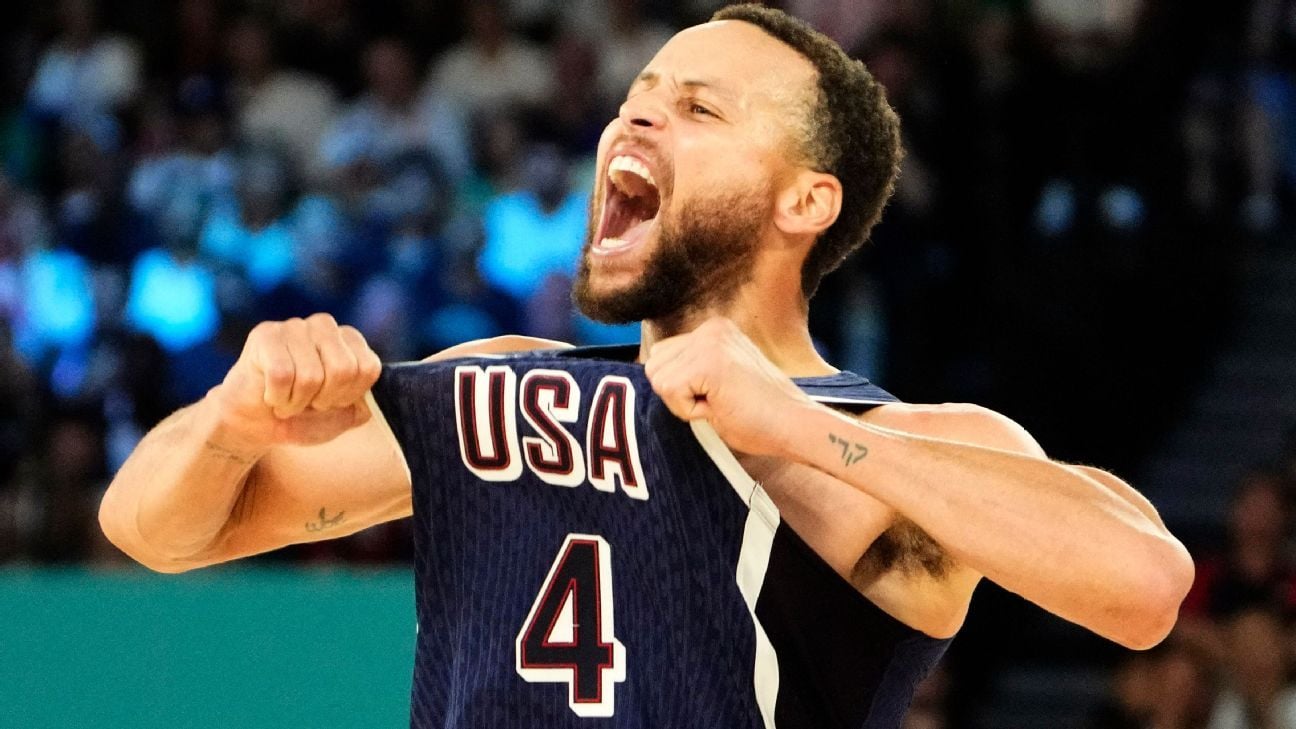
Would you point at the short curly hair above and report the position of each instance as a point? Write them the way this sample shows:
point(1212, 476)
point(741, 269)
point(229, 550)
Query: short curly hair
point(850, 132)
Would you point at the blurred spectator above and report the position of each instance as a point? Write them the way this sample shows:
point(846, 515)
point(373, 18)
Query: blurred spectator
point(579, 113)
point(849, 22)
point(392, 118)
point(273, 106)
point(319, 281)
point(22, 229)
point(89, 217)
point(19, 409)
point(1259, 694)
point(21, 156)
point(537, 230)
point(197, 39)
point(498, 142)
point(455, 301)
point(1269, 114)
point(190, 47)
point(1085, 33)
point(1187, 681)
point(47, 293)
point(1254, 569)
point(1204, 128)
point(383, 314)
point(625, 47)
point(173, 293)
point(85, 73)
point(252, 232)
point(56, 313)
point(1287, 455)
point(471, 309)
point(182, 158)
point(324, 37)
point(63, 489)
point(1133, 695)
point(492, 67)
point(420, 249)
point(408, 193)
point(127, 379)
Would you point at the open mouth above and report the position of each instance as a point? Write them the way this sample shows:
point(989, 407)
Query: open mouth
point(631, 205)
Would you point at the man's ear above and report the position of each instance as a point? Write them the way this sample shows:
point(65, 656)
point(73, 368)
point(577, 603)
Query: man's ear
point(809, 205)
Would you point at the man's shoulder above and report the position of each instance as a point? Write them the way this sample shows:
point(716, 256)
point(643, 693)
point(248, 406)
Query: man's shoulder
point(963, 422)
point(503, 344)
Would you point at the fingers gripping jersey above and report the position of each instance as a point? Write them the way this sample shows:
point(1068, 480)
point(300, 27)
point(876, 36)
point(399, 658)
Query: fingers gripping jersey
point(585, 559)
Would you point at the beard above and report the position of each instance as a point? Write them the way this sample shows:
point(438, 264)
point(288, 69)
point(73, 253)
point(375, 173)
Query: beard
point(703, 255)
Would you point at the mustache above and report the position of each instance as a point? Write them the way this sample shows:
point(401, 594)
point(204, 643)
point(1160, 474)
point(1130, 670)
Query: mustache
point(663, 167)
point(664, 171)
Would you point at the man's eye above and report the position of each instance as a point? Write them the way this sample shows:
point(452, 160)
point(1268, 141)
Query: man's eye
point(699, 109)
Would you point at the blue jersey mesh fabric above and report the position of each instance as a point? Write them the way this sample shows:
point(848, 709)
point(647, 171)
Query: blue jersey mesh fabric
point(483, 550)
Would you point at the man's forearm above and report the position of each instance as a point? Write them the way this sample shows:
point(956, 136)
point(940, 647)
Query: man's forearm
point(1038, 528)
point(177, 490)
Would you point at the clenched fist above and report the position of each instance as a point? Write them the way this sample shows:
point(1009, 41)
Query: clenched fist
point(300, 381)
point(715, 373)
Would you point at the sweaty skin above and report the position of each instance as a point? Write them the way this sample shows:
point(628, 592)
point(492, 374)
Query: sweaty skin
point(289, 448)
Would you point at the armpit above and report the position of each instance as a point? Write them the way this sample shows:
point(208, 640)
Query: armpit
point(904, 547)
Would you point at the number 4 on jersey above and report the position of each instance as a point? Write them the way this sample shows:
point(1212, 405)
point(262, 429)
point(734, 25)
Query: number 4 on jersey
point(568, 635)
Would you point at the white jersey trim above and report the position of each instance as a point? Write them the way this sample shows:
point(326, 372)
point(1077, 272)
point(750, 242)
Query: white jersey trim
point(850, 400)
point(753, 560)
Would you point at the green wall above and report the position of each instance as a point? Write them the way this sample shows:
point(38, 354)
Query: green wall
point(240, 648)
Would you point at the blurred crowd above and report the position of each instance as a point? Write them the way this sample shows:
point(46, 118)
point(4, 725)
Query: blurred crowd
point(1229, 664)
point(1082, 181)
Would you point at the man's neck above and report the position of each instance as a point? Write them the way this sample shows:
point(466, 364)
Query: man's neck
point(781, 333)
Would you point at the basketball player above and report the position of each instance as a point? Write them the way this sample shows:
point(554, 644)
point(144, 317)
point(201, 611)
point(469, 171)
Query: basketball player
point(712, 529)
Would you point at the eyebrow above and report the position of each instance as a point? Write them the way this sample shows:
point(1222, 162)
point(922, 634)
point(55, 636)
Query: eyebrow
point(651, 77)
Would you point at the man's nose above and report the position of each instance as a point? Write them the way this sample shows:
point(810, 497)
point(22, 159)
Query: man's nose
point(643, 112)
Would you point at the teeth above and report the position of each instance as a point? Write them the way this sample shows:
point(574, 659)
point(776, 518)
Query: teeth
point(612, 243)
point(625, 163)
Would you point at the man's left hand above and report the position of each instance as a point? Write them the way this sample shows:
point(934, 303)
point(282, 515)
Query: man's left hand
point(715, 373)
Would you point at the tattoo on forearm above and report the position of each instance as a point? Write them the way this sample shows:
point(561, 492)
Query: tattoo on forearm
point(325, 522)
point(228, 454)
point(852, 453)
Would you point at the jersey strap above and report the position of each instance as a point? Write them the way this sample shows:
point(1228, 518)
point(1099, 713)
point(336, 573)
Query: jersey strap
point(845, 389)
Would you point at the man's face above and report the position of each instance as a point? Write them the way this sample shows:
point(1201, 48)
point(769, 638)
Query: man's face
point(688, 173)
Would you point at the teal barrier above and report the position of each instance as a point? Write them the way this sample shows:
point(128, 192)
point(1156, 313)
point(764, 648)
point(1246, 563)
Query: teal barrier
point(243, 648)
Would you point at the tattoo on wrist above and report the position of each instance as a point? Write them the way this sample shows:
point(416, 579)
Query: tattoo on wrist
point(851, 452)
point(325, 521)
point(229, 455)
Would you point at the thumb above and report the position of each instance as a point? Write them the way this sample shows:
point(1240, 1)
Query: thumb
point(700, 409)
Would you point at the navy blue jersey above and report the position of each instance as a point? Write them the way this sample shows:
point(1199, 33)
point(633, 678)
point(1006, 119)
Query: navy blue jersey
point(583, 558)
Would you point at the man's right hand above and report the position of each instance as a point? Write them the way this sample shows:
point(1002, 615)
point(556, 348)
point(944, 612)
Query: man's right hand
point(299, 382)
point(289, 431)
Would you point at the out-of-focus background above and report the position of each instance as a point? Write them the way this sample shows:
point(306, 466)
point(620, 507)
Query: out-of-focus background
point(1092, 233)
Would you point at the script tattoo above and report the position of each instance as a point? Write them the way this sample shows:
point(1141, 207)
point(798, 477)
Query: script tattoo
point(852, 453)
point(325, 522)
point(228, 454)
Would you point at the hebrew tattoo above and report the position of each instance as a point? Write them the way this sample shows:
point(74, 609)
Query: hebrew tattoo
point(852, 453)
point(325, 522)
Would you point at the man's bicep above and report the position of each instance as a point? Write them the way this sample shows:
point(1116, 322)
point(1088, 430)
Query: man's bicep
point(1123, 490)
point(958, 423)
point(980, 426)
